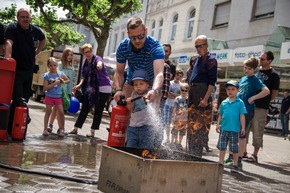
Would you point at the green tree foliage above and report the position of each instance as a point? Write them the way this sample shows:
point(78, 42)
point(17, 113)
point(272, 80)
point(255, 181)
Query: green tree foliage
point(56, 33)
point(97, 15)
point(8, 14)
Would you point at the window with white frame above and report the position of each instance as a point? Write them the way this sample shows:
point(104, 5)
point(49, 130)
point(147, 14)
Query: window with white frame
point(263, 9)
point(160, 27)
point(222, 14)
point(190, 23)
point(153, 28)
point(174, 27)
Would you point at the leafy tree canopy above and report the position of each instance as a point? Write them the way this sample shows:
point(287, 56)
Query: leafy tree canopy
point(8, 15)
point(97, 15)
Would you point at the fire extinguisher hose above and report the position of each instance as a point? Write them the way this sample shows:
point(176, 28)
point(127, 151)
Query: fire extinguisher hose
point(92, 182)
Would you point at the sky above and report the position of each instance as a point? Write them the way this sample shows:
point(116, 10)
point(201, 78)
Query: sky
point(22, 4)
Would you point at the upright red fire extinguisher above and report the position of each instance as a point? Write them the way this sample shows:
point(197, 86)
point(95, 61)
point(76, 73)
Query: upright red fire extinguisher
point(21, 119)
point(120, 118)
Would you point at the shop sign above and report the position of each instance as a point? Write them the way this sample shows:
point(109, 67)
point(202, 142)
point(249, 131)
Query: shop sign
point(285, 52)
point(223, 57)
point(241, 54)
point(182, 60)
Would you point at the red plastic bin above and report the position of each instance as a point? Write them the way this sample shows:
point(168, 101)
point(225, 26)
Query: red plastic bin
point(7, 74)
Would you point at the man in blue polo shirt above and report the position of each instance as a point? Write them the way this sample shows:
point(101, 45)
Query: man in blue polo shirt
point(22, 42)
point(139, 51)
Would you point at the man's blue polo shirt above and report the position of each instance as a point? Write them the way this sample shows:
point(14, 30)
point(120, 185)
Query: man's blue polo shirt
point(231, 112)
point(151, 51)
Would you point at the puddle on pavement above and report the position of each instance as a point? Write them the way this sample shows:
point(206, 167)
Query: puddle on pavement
point(72, 155)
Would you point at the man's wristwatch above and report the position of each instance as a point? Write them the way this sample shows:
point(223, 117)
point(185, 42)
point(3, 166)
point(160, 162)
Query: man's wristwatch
point(156, 92)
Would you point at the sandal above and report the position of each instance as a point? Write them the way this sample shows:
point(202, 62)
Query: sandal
point(91, 135)
point(60, 132)
point(245, 155)
point(253, 158)
point(74, 132)
point(45, 133)
point(49, 128)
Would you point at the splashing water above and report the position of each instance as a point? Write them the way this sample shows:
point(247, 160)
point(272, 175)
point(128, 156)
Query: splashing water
point(155, 118)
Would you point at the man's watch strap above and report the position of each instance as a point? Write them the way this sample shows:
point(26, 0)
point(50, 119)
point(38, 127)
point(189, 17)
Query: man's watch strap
point(156, 91)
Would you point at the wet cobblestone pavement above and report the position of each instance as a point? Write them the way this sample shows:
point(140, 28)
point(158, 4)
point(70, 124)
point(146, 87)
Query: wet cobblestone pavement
point(76, 159)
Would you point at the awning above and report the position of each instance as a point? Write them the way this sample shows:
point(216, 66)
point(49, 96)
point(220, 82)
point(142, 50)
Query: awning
point(274, 43)
point(215, 44)
point(281, 34)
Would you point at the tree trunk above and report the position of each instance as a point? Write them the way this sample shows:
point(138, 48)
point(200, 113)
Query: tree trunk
point(102, 41)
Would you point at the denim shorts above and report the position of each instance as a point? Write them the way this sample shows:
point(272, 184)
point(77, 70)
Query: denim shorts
point(230, 137)
point(140, 137)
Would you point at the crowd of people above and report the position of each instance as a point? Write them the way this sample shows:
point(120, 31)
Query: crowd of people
point(184, 105)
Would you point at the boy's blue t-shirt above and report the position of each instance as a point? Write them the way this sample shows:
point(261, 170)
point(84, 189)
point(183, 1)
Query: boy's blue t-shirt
point(231, 112)
point(249, 86)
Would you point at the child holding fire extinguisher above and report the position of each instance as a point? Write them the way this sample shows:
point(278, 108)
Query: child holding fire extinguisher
point(140, 132)
point(53, 94)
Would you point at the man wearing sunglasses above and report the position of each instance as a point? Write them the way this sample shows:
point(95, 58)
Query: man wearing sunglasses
point(139, 51)
point(202, 82)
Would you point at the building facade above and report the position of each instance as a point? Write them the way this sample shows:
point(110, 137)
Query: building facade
point(247, 28)
point(175, 22)
point(235, 29)
point(170, 21)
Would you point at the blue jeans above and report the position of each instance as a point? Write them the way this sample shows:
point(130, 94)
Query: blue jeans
point(140, 137)
point(285, 123)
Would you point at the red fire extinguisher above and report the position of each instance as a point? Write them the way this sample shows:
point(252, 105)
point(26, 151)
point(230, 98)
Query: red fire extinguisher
point(21, 119)
point(120, 118)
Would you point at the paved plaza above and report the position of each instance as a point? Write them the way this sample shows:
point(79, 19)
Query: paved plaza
point(71, 164)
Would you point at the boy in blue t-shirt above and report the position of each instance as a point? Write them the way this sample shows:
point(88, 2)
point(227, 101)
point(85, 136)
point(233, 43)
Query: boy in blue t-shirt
point(251, 89)
point(230, 123)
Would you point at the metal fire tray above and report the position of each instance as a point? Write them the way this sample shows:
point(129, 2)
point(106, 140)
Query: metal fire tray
point(125, 170)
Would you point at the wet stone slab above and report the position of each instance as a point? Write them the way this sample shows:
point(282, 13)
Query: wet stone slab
point(72, 157)
point(79, 157)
